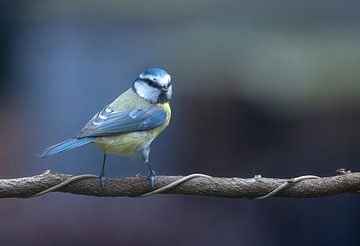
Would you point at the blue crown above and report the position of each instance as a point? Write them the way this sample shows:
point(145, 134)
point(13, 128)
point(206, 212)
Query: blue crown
point(155, 72)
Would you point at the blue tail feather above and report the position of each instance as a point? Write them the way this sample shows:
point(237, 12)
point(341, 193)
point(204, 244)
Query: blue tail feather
point(66, 145)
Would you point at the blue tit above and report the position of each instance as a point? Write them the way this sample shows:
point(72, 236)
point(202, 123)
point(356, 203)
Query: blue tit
point(130, 123)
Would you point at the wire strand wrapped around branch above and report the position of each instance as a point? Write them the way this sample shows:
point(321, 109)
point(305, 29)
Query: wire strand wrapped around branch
point(206, 186)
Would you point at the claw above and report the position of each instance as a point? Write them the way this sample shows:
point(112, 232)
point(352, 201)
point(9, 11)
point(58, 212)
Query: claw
point(102, 181)
point(151, 178)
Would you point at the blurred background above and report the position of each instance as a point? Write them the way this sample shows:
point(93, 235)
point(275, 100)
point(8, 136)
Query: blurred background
point(260, 87)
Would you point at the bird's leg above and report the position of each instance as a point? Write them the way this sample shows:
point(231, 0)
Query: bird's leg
point(151, 176)
point(102, 174)
point(145, 156)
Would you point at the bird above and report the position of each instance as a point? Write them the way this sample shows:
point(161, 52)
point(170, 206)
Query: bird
point(128, 125)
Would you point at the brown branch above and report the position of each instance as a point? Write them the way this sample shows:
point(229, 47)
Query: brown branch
point(207, 186)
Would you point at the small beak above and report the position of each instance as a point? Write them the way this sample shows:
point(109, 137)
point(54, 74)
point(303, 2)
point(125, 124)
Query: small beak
point(165, 89)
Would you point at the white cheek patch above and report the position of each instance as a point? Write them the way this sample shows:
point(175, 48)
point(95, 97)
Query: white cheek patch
point(147, 92)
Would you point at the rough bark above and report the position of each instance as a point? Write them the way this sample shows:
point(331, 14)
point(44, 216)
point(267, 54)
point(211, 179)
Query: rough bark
point(213, 186)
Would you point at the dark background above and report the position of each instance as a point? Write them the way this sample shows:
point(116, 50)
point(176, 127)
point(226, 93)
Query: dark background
point(260, 87)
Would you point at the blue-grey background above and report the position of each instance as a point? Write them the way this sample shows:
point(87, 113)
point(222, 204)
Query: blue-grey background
point(260, 87)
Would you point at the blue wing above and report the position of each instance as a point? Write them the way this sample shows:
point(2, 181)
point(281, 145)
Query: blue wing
point(108, 122)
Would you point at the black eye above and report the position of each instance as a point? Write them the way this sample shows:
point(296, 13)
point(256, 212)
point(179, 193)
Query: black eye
point(150, 82)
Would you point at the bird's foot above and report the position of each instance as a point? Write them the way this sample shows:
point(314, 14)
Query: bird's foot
point(102, 181)
point(151, 178)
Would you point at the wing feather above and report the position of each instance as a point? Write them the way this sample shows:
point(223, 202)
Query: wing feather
point(108, 122)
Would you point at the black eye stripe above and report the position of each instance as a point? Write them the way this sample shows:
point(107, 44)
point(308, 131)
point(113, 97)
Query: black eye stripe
point(150, 82)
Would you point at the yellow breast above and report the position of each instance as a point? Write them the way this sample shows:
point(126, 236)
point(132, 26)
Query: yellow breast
point(167, 109)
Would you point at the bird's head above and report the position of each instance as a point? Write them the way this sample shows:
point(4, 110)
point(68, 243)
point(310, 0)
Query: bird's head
point(154, 85)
